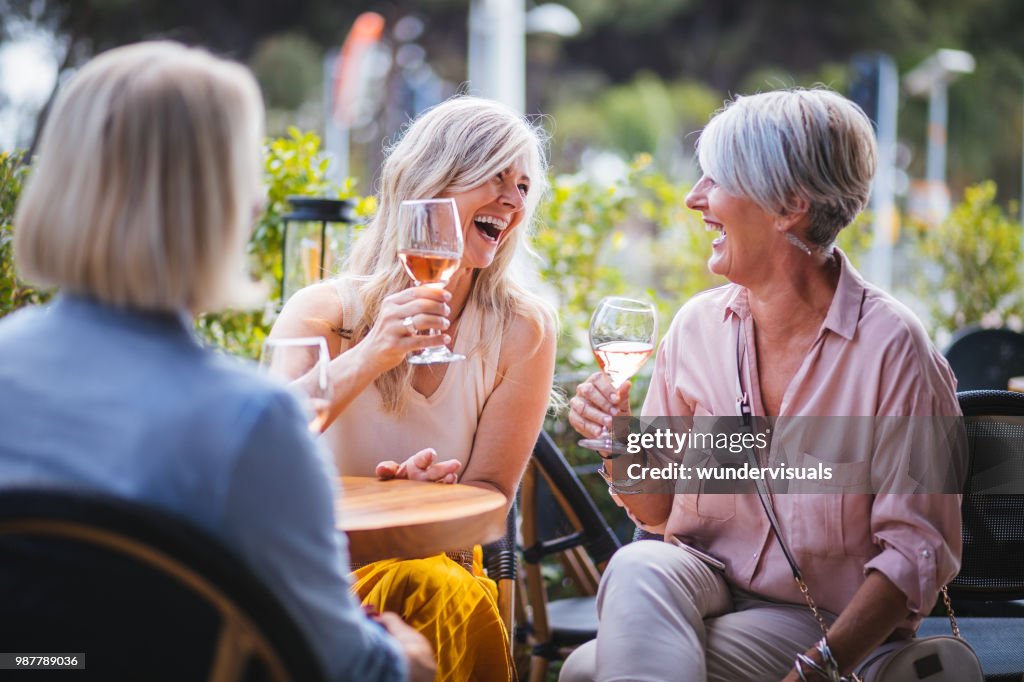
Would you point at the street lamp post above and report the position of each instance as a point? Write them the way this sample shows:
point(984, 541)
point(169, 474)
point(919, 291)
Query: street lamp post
point(497, 45)
point(933, 76)
point(497, 51)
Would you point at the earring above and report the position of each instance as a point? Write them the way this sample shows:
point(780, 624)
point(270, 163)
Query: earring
point(798, 243)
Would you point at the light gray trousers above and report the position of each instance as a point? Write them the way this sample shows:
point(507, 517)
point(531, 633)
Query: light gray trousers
point(665, 616)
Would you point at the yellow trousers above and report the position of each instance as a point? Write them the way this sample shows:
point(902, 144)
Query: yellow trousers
point(454, 609)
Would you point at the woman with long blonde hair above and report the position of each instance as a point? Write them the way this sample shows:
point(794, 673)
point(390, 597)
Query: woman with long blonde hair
point(473, 421)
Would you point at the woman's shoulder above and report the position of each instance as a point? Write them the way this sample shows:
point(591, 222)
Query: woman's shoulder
point(704, 307)
point(917, 378)
point(529, 331)
point(887, 322)
point(314, 310)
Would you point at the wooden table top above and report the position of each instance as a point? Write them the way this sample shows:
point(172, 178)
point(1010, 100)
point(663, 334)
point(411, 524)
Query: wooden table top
point(412, 519)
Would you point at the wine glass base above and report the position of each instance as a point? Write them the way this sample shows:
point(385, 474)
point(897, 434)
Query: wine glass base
point(603, 445)
point(433, 356)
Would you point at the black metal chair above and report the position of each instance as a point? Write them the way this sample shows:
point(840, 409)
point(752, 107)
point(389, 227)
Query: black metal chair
point(985, 358)
point(141, 593)
point(992, 572)
point(560, 520)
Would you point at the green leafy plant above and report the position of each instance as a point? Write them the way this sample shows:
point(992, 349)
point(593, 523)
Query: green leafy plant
point(634, 236)
point(14, 293)
point(975, 273)
point(293, 166)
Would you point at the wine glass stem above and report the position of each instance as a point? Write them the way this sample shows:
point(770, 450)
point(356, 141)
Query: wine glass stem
point(606, 434)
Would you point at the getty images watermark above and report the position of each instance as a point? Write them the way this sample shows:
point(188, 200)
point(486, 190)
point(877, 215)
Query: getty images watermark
point(794, 455)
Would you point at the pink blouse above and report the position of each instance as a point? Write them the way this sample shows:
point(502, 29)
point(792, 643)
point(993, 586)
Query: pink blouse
point(870, 358)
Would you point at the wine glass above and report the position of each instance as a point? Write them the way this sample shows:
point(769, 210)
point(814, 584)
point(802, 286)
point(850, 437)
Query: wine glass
point(302, 364)
point(622, 334)
point(430, 248)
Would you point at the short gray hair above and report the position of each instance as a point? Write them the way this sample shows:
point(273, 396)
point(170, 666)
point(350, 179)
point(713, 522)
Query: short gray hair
point(146, 181)
point(778, 148)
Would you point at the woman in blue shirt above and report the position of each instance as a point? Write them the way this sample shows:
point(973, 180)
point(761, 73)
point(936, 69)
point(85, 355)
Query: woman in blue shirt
point(138, 210)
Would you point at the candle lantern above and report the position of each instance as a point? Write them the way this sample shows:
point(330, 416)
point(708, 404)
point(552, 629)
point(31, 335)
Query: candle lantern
point(314, 235)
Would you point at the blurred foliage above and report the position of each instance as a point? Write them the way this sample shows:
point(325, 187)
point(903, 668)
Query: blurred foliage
point(288, 69)
point(13, 292)
point(974, 259)
point(593, 235)
point(644, 116)
point(293, 166)
point(856, 239)
point(729, 46)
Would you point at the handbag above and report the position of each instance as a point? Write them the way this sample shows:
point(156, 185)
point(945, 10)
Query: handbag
point(941, 658)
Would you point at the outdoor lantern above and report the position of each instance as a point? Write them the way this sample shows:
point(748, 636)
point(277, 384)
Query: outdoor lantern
point(310, 242)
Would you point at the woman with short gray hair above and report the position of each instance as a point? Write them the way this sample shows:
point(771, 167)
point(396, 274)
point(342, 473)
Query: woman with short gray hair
point(796, 332)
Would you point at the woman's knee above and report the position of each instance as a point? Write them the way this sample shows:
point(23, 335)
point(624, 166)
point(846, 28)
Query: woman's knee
point(663, 573)
point(581, 665)
point(645, 559)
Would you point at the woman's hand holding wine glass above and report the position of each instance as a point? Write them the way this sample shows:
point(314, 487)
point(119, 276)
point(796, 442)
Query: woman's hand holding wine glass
point(390, 340)
point(430, 248)
point(623, 332)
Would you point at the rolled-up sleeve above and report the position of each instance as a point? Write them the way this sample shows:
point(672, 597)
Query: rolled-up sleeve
point(919, 534)
point(920, 540)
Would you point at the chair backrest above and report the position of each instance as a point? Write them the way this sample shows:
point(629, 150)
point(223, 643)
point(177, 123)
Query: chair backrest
point(142, 593)
point(567, 506)
point(985, 358)
point(993, 508)
point(501, 563)
point(560, 520)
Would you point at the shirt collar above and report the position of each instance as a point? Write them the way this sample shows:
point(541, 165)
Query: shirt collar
point(843, 313)
point(177, 321)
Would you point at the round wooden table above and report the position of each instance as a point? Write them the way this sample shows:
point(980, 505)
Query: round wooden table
point(411, 519)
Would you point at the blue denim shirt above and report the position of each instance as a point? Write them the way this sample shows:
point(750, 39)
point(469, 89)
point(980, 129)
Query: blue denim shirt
point(128, 403)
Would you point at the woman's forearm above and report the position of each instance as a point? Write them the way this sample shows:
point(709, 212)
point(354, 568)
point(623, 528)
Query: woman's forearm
point(876, 609)
point(350, 374)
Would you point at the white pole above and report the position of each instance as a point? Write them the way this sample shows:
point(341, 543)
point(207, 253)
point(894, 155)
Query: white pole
point(335, 137)
point(938, 115)
point(883, 193)
point(497, 51)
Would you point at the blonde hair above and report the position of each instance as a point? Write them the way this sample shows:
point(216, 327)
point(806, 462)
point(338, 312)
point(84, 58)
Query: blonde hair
point(456, 146)
point(779, 147)
point(146, 181)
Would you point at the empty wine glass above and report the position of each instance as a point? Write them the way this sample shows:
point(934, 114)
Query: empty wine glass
point(622, 335)
point(430, 248)
point(302, 364)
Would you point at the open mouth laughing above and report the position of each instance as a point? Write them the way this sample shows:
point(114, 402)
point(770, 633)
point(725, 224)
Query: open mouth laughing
point(713, 226)
point(490, 227)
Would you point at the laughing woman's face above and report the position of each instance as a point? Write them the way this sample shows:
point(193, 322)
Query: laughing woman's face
point(490, 212)
point(745, 232)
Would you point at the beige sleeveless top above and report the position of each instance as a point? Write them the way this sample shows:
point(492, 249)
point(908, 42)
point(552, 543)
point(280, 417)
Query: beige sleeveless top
point(364, 434)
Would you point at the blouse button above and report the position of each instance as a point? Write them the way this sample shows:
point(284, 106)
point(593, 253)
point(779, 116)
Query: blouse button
point(926, 553)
